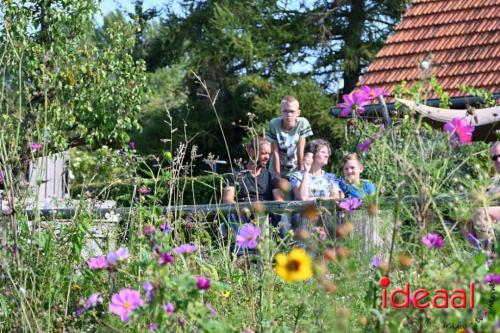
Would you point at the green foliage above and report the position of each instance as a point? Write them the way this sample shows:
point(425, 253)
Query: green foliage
point(421, 90)
point(244, 52)
point(61, 85)
point(486, 96)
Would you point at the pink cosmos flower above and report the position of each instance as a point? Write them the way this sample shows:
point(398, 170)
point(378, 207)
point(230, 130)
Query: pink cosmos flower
point(120, 255)
point(247, 237)
point(202, 282)
point(460, 132)
point(165, 259)
point(353, 102)
point(350, 204)
point(35, 146)
point(148, 229)
point(364, 146)
point(492, 278)
point(123, 303)
point(97, 262)
point(185, 249)
point(433, 241)
point(373, 93)
point(153, 327)
point(169, 308)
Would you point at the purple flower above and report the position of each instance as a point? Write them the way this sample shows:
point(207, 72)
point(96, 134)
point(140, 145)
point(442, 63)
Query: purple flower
point(372, 93)
point(93, 300)
point(492, 278)
point(165, 259)
point(153, 327)
point(321, 232)
point(460, 132)
point(353, 102)
point(97, 262)
point(185, 249)
point(131, 145)
point(148, 229)
point(375, 261)
point(120, 255)
point(474, 240)
point(165, 228)
point(433, 241)
point(169, 308)
point(364, 146)
point(144, 190)
point(123, 303)
point(350, 204)
point(35, 146)
point(247, 237)
point(211, 309)
point(79, 311)
point(148, 288)
point(2, 174)
point(202, 282)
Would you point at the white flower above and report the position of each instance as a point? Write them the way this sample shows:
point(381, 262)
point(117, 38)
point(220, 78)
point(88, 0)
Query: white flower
point(112, 217)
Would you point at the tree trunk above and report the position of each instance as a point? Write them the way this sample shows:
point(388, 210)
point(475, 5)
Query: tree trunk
point(353, 43)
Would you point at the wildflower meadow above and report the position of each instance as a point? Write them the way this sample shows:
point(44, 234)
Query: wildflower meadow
point(142, 242)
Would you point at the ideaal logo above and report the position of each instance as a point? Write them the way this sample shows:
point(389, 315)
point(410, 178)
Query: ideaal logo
point(423, 298)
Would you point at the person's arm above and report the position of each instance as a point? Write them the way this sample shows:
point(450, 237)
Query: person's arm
point(228, 194)
point(336, 194)
point(275, 152)
point(300, 153)
point(278, 195)
point(274, 180)
point(301, 192)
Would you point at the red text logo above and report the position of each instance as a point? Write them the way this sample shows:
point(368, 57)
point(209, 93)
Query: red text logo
point(423, 298)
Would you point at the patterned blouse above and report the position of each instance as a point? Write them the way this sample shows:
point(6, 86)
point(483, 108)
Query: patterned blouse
point(321, 186)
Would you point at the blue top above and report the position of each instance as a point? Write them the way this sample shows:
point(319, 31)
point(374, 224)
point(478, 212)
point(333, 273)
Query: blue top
point(352, 191)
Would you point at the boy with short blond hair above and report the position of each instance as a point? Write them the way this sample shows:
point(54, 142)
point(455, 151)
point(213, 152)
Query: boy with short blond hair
point(287, 135)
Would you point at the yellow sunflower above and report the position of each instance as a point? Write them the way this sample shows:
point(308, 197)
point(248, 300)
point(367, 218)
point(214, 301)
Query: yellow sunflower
point(296, 266)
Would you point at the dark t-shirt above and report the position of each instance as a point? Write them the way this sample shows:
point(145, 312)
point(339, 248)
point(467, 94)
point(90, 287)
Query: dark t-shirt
point(250, 188)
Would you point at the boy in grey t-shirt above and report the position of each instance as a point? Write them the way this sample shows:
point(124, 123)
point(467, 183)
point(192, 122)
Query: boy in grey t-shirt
point(287, 135)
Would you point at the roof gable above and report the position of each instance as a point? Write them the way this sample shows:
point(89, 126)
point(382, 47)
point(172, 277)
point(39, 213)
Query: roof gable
point(461, 36)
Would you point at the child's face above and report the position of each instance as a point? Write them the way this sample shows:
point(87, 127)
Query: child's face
point(290, 111)
point(352, 170)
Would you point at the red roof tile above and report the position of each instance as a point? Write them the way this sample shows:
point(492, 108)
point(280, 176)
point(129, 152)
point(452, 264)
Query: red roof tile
point(462, 36)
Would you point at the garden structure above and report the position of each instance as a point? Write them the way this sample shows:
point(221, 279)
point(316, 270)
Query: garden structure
point(455, 42)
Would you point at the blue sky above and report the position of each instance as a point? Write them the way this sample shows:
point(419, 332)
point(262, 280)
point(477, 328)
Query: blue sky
point(110, 5)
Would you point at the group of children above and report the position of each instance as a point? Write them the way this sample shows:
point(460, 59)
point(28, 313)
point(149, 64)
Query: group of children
point(302, 162)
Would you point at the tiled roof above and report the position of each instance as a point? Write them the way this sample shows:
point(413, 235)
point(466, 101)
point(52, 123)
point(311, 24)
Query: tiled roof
point(461, 36)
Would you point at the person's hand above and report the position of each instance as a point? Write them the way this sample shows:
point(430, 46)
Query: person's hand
point(308, 159)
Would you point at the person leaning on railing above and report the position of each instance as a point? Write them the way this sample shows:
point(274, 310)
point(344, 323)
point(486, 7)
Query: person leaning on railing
point(254, 183)
point(485, 217)
point(314, 182)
